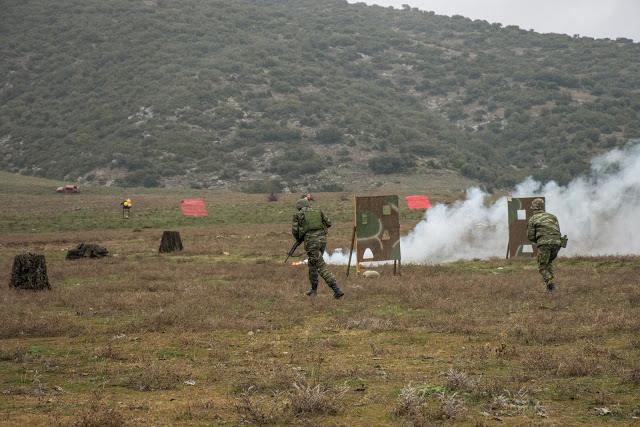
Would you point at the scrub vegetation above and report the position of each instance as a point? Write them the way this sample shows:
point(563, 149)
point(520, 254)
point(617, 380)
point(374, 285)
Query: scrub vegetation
point(231, 94)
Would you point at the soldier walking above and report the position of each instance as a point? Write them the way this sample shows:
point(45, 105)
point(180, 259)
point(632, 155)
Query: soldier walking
point(310, 226)
point(544, 231)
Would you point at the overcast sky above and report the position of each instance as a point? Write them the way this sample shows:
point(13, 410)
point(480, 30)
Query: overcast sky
point(590, 18)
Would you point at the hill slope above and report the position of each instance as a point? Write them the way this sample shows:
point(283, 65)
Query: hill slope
point(320, 95)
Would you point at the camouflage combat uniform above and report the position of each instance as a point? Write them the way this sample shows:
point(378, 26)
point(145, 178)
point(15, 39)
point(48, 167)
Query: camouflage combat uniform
point(543, 230)
point(310, 225)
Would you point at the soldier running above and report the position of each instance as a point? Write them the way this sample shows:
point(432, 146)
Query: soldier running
point(543, 230)
point(310, 225)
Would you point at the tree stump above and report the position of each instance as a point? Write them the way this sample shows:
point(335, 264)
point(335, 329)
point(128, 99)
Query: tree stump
point(170, 242)
point(29, 272)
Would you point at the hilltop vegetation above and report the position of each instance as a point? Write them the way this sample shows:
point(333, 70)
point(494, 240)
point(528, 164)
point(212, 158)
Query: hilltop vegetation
point(261, 95)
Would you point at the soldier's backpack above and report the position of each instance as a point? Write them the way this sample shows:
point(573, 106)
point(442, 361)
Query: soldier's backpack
point(312, 221)
point(563, 241)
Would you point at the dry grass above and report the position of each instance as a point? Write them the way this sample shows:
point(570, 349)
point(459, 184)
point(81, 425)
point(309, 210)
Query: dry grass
point(410, 402)
point(296, 401)
point(451, 406)
point(222, 333)
point(318, 399)
point(260, 409)
point(99, 414)
point(460, 381)
point(414, 408)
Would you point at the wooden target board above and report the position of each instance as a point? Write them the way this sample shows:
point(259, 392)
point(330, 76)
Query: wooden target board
point(519, 212)
point(377, 229)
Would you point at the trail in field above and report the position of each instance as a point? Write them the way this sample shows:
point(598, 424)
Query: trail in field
point(598, 212)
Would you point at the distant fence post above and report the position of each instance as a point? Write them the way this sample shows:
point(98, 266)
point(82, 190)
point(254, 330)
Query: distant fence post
point(29, 272)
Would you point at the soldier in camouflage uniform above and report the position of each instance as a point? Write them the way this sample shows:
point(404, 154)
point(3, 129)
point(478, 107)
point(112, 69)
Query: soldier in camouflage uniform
point(543, 230)
point(310, 225)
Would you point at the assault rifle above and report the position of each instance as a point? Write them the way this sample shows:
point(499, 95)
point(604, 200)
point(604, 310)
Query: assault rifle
point(292, 250)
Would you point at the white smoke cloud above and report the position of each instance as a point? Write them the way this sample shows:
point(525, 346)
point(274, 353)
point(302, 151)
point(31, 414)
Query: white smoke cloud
point(338, 257)
point(598, 212)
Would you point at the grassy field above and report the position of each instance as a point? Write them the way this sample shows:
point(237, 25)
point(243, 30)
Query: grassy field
point(221, 333)
point(31, 206)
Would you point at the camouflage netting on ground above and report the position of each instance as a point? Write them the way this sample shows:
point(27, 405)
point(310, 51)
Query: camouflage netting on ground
point(87, 250)
point(29, 272)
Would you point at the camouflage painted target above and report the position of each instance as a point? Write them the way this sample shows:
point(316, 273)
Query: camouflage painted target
point(377, 228)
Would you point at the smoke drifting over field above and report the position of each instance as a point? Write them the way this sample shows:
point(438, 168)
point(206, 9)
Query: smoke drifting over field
point(599, 213)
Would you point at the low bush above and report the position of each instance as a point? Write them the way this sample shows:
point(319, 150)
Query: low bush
point(385, 164)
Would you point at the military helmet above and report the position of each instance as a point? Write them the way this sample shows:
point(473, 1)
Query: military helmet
point(537, 204)
point(302, 203)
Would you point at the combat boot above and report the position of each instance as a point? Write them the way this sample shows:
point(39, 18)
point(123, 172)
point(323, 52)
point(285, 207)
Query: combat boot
point(337, 292)
point(551, 287)
point(313, 290)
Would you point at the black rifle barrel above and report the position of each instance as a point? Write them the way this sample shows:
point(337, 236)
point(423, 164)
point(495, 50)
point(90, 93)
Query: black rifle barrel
point(292, 250)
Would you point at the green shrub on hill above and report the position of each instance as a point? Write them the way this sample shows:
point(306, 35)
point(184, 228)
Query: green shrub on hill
point(389, 163)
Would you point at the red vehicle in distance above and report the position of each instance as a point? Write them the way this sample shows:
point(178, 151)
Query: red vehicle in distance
point(68, 189)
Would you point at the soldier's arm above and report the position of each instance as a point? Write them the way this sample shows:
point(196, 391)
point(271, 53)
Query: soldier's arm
point(295, 228)
point(531, 231)
point(325, 219)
